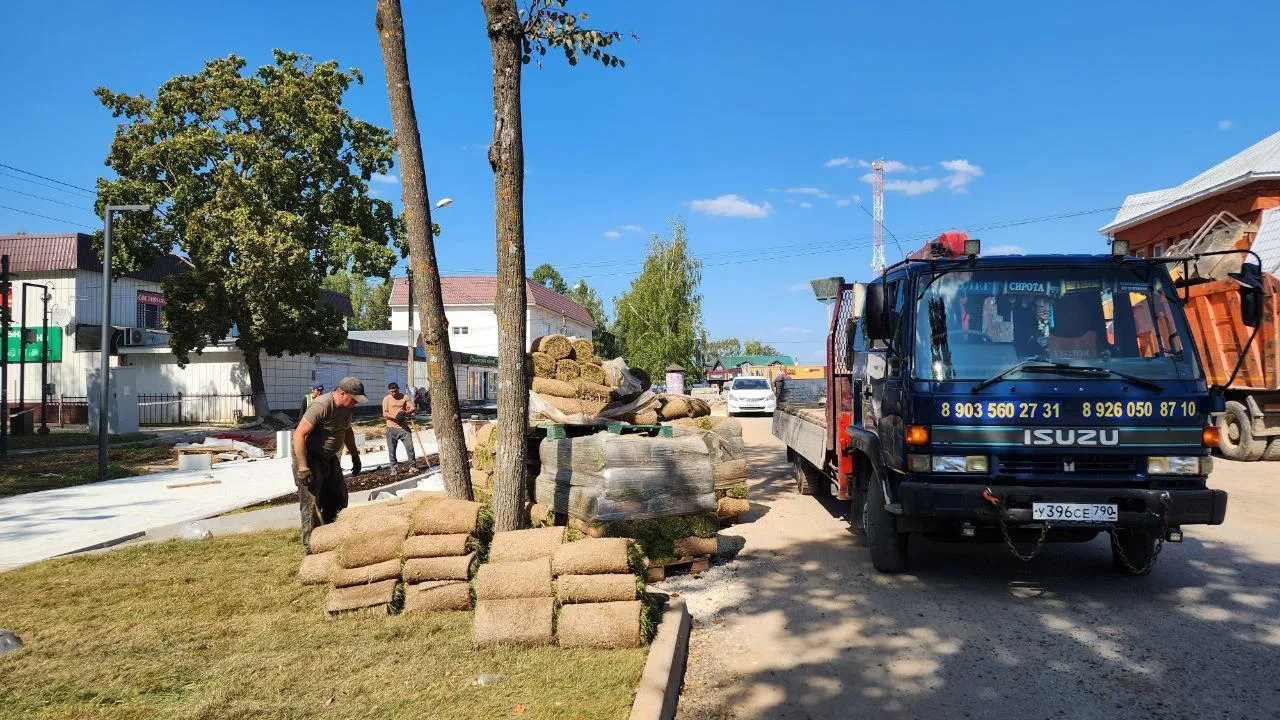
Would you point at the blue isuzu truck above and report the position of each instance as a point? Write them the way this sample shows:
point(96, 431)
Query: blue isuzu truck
point(1016, 399)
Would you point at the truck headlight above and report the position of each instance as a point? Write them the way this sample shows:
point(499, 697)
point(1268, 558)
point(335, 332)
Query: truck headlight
point(1173, 465)
point(960, 464)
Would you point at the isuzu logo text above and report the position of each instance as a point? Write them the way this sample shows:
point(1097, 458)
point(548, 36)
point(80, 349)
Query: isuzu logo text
point(1070, 437)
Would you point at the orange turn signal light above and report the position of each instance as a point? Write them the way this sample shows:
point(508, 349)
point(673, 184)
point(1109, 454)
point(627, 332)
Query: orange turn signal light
point(1210, 436)
point(917, 434)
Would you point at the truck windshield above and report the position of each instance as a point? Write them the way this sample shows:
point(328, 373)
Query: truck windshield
point(974, 324)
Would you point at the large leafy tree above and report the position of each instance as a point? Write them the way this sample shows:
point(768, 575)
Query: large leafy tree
point(260, 181)
point(755, 347)
point(726, 346)
point(547, 275)
point(515, 37)
point(605, 341)
point(425, 278)
point(370, 300)
point(659, 318)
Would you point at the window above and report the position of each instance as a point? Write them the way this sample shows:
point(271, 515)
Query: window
point(459, 329)
point(1157, 250)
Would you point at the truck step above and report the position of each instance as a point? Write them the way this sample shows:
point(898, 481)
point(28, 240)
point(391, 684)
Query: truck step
point(690, 566)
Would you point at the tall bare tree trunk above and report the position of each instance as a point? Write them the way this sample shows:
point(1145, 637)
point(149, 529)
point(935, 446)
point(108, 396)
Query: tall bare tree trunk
point(506, 157)
point(445, 416)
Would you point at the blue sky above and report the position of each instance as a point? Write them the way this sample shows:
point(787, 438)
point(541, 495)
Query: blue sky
point(748, 119)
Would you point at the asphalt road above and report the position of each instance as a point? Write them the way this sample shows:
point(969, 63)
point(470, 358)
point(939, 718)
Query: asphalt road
point(799, 625)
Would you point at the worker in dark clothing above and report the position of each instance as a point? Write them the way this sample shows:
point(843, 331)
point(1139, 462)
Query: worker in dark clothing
point(317, 445)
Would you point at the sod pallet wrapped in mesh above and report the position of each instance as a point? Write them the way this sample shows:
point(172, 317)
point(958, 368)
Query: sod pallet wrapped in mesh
point(606, 477)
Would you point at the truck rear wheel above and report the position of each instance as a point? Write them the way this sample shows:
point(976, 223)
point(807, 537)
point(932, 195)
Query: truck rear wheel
point(1235, 428)
point(890, 549)
point(809, 480)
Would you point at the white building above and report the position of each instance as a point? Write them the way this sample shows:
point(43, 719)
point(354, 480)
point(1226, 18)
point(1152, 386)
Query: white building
point(214, 386)
point(473, 325)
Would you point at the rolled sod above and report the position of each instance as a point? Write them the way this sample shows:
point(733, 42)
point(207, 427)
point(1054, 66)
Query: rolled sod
point(327, 538)
point(519, 545)
point(690, 547)
point(437, 596)
point(438, 568)
point(539, 514)
point(446, 516)
point(432, 546)
point(583, 350)
point(591, 390)
point(526, 621)
point(592, 373)
point(573, 406)
point(568, 370)
point(369, 548)
point(592, 556)
point(729, 472)
point(557, 388)
point(360, 596)
point(317, 568)
point(482, 434)
point(595, 588)
point(647, 417)
point(346, 577)
point(675, 407)
point(600, 625)
point(555, 345)
point(509, 580)
point(480, 477)
point(699, 407)
point(731, 507)
point(544, 366)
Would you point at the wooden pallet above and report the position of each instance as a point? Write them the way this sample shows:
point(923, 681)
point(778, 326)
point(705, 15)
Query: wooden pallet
point(664, 431)
point(560, 431)
point(692, 566)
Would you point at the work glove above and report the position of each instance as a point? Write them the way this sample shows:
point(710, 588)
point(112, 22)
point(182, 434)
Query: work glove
point(302, 477)
point(355, 465)
point(402, 416)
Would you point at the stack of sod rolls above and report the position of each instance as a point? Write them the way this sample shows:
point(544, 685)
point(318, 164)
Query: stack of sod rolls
point(662, 540)
point(440, 554)
point(515, 600)
point(599, 594)
point(483, 460)
point(606, 477)
point(568, 376)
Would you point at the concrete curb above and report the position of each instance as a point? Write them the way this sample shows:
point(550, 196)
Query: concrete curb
point(663, 676)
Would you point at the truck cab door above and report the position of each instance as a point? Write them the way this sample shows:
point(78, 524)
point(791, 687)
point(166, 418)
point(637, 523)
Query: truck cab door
point(882, 392)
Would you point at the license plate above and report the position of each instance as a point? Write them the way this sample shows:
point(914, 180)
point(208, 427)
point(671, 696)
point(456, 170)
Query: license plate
point(1075, 512)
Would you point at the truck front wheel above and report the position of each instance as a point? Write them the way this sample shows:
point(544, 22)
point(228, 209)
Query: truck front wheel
point(889, 548)
point(1235, 427)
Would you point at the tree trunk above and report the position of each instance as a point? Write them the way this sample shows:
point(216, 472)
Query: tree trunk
point(257, 385)
point(506, 157)
point(443, 383)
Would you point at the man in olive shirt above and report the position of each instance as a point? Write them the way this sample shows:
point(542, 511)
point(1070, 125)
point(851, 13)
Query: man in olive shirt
point(317, 444)
point(397, 408)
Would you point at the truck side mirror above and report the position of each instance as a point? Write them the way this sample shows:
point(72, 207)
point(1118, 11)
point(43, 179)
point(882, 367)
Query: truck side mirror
point(876, 312)
point(1250, 279)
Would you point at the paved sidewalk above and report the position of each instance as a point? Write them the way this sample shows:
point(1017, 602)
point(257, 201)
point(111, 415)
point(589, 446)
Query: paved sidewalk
point(46, 524)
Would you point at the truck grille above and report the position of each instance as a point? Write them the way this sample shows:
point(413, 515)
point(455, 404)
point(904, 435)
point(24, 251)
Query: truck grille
point(1068, 465)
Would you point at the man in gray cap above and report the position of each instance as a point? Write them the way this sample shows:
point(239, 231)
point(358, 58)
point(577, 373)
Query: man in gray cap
point(317, 443)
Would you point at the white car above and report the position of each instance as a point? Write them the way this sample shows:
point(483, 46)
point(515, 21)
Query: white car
point(751, 394)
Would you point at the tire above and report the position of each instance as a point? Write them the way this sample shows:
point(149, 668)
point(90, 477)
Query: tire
point(809, 480)
point(1138, 546)
point(1236, 431)
point(890, 549)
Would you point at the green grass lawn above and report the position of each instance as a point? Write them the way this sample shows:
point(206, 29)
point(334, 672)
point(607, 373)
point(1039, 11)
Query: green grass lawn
point(47, 471)
point(222, 629)
point(70, 439)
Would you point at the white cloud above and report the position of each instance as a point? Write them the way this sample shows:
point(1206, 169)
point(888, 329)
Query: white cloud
point(839, 162)
point(843, 202)
point(633, 228)
point(732, 206)
point(1225, 124)
point(794, 330)
point(913, 187)
point(963, 172)
point(806, 204)
point(805, 191)
point(612, 234)
point(1005, 250)
point(385, 179)
point(799, 287)
point(891, 166)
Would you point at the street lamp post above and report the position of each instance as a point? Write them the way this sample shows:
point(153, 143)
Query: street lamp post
point(412, 340)
point(104, 394)
point(23, 342)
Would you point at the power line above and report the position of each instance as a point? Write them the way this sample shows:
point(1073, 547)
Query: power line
point(43, 185)
point(47, 217)
point(41, 197)
point(52, 180)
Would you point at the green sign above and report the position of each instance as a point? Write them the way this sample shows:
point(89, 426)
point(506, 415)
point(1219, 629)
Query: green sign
point(33, 349)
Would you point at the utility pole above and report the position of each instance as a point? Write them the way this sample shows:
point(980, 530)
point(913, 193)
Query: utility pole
point(104, 366)
point(6, 290)
point(44, 364)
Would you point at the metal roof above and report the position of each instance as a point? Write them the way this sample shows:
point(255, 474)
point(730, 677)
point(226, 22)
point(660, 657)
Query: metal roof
point(71, 251)
point(755, 360)
point(483, 290)
point(1257, 162)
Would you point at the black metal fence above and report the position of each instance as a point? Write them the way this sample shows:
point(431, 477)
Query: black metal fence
point(182, 408)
